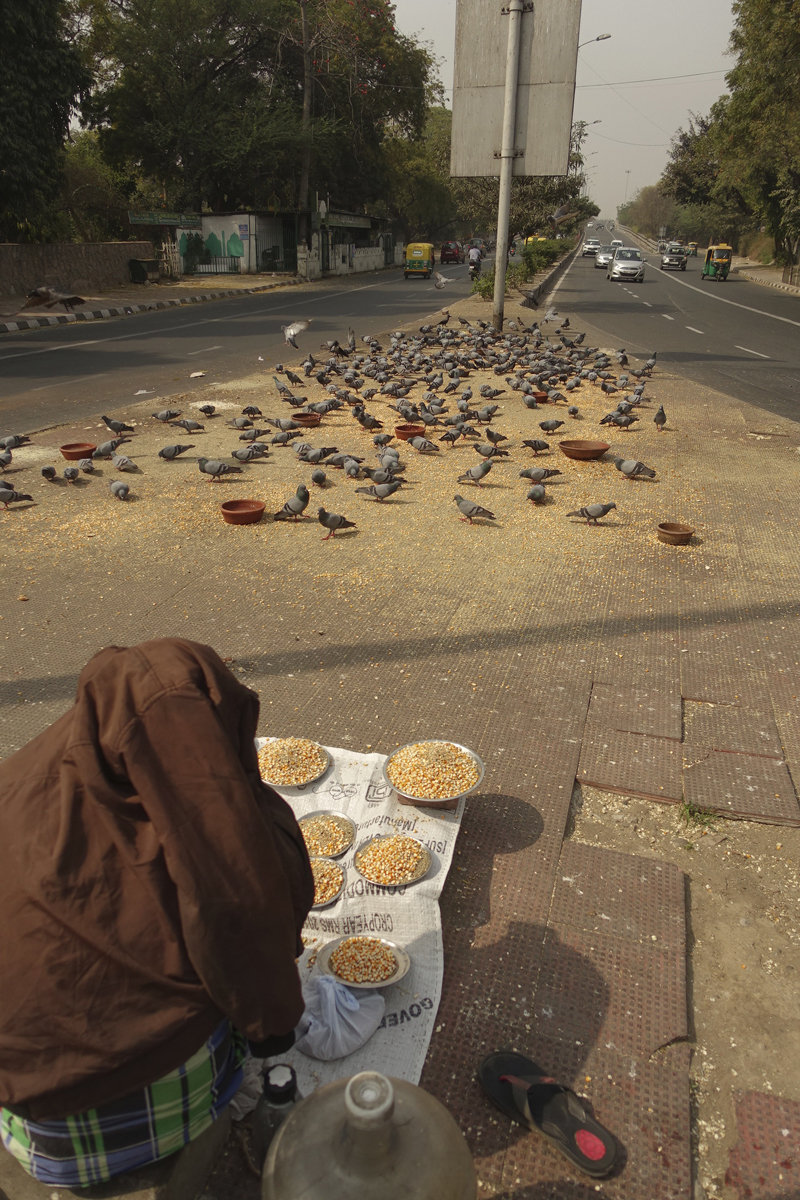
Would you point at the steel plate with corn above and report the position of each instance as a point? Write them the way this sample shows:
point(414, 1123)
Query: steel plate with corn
point(434, 770)
point(392, 860)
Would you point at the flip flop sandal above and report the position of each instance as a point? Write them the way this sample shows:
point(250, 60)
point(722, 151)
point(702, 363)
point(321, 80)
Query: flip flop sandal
point(524, 1093)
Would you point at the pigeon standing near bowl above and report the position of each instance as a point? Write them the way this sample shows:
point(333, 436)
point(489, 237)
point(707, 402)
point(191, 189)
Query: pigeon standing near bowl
point(632, 469)
point(117, 426)
point(332, 522)
point(593, 512)
point(294, 507)
point(86, 465)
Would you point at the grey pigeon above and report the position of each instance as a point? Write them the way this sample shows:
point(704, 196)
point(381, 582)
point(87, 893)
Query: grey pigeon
point(294, 507)
point(188, 424)
point(241, 423)
point(319, 478)
point(284, 424)
point(216, 469)
point(123, 463)
point(538, 474)
point(167, 414)
point(451, 436)
point(422, 445)
point(117, 426)
point(631, 468)
point(9, 496)
point(550, 426)
point(382, 474)
point(470, 511)
point(351, 469)
point(119, 489)
point(251, 435)
point(284, 437)
point(86, 465)
point(207, 410)
point(382, 491)
point(487, 450)
point(495, 438)
point(573, 410)
point(475, 474)
point(660, 418)
point(382, 439)
point(332, 522)
point(536, 444)
point(290, 332)
point(49, 473)
point(168, 453)
point(250, 452)
point(536, 494)
point(593, 512)
point(252, 411)
point(316, 456)
point(14, 441)
point(109, 449)
point(623, 421)
point(71, 474)
point(5, 459)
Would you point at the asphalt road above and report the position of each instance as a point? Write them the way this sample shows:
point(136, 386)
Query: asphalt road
point(738, 337)
point(62, 374)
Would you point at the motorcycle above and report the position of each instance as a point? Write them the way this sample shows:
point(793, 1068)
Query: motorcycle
point(474, 271)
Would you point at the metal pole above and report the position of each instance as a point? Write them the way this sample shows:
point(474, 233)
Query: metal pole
point(506, 161)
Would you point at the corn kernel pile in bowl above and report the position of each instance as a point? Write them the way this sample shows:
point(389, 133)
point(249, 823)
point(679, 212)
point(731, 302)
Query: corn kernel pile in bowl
point(363, 960)
point(432, 771)
point(291, 761)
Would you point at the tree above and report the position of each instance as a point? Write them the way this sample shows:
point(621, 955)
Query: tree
point(42, 76)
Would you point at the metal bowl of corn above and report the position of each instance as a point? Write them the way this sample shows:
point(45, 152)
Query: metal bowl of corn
point(292, 762)
point(392, 860)
point(436, 771)
point(364, 961)
point(329, 881)
point(327, 833)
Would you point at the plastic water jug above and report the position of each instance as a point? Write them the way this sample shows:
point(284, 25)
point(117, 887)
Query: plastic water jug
point(369, 1138)
point(278, 1099)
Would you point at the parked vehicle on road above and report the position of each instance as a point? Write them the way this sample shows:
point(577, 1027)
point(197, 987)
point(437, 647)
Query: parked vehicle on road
point(627, 263)
point(590, 246)
point(451, 252)
point(673, 258)
point(717, 262)
point(604, 256)
point(420, 260)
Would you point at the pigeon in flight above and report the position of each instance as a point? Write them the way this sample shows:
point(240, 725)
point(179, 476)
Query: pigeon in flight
point(561, 215)
point(290, 332)
point(631, 468)
point(332, 522)
point(593, 512)
point(470, 511)
point(440, 280)
point(48, 297)
point(294, 507)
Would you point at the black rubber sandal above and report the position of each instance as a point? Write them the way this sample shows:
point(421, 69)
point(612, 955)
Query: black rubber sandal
point(521, 1089)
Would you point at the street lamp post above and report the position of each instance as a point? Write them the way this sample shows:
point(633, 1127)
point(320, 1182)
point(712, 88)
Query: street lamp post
point(627, 181)
point(603, 37)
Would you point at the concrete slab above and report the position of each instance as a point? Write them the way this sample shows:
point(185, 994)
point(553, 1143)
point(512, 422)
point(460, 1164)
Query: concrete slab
point(655, 711)
point(740, 785)
point(631, 763)
point(733, 728)
point(764, 1161)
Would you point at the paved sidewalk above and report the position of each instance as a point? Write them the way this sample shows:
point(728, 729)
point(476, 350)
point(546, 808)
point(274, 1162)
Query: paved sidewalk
point(558, 651)
point(768, 276)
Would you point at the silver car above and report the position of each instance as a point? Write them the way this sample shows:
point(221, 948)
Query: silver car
point(590, 246)
point(604, 256)
point(627, 263)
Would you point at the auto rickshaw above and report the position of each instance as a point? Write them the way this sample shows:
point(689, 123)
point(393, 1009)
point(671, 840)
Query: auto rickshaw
point(691, 250)
point(419, 259)
point(718, 262)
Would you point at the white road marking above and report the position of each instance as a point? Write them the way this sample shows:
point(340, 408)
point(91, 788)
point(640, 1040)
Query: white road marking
point(65, 382)
point(207, 350)
point(756, 352)
point(648, 305)
point(693, 330)
point(747, 307)
point(667, 317)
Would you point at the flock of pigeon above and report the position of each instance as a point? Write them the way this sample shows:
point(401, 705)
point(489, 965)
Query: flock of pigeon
point(420, 377)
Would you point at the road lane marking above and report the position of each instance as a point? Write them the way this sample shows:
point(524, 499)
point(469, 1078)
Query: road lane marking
point(648, 305)
point(747, 351)
point(735, 303)
point(667, 317)
point(66, 382)
point(207, 350)
point(693, 330)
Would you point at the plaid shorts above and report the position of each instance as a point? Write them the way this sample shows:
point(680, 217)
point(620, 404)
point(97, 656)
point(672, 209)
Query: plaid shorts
point(148, 1125)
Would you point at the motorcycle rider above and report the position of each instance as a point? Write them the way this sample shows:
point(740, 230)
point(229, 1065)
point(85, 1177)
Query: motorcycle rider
point(474, 260)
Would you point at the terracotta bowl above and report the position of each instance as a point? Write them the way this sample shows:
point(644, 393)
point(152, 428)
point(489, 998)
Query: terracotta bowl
point(242, 512)
point(406, 432)
point(540, 397)
point(72, 451)
point(674, 535)
point(307, 420)
point(575, 448)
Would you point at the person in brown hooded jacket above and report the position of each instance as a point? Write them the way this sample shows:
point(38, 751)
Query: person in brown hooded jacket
point(153, 891)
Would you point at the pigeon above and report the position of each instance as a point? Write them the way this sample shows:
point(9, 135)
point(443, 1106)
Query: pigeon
point(561, 215)
point(382, 491)
point(9, 496)
point(86, 465)
point(290, 332)
point(351, 469)
point(332, 522)
point(451, 436)
point(423, 445)
point(294, 380)
point(495, 438)
point(207, 410)
point(249, 452)
point(383, 475)
point(382, 439)
point(251, 435)
point(660, 418)
point(536, 445)
point(316, 456)
point(188, 424)
point(48, 297)
point(238, 423)
point(71, 474)
point(284, 437)
point(14, 441)
point(440, 280)
point(319, 478)
point(475, 474)
point(470, 511)
point(593, 512)
point(550, 426)
point(49, 473)
point(168, 453)
point(167, 414)
point(5, 459)
point(123, 463)
point(109, 449)
point(487, 450)
point(295, 506)
point(538, 474)
point(623, 421)
point(284, 424)
point(117, 426)
point(119, 489)
point(573, 410)
point(631, 468)
point(536, 494)
point(216, 469)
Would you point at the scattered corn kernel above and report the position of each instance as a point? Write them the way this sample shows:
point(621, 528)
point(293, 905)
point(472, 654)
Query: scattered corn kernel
point(326, 836)
point(363, 960)
point(432, 771)
point(328, 878)
point(291, 761)
point(392, 861)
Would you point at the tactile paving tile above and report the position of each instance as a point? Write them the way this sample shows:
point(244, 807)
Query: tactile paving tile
point(606, 991)
point(708, 675)
point(631, 763)
point(620, 895)
point(656, 711)
point(733, 728)
point(740, 785)
point(765, 1162)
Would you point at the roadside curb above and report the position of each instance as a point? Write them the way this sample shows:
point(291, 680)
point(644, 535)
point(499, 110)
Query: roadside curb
point(782, 287)
point(127, 310)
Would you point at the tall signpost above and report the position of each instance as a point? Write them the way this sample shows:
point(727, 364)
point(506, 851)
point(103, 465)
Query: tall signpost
point(513, 94)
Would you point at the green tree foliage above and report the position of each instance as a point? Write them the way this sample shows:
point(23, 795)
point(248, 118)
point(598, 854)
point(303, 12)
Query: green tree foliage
point(41, 77)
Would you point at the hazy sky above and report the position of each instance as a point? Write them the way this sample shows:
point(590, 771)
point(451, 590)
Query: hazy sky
point(649, 38)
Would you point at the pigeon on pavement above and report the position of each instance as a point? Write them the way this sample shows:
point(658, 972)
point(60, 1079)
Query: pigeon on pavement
point(294, 507)
point(49, 473)
point(476, 474)
point(487, 450)
point(319, 478)
point(117, 426)
point(86, 465)
point(14, 441)
point(119, 489)
point(168, 453)
point(538, 474)
point(382, 491)
point(167, 414)
point(71, 474)
point(5, 459)
point(550, 426)
point(593, 512)
point(188, 424)
point(536, 494)
point(470, 511)
point(631, 468)
point(123, 463)
point(660, 418)
point(332, 522)
point(216, 469)
point(536, 445)
point(423, 445)
point(109, 449)
point(207, 410)
point(9, 496)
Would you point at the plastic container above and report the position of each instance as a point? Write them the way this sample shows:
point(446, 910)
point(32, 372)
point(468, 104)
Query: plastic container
point(369, 1138)
point(278, 1099)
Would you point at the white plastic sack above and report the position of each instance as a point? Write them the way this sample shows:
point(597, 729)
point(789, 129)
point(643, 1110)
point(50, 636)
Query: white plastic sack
point(336, 1021)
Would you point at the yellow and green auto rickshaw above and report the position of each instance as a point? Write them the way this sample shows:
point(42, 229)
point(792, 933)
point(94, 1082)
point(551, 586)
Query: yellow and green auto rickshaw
point(419, 259)
point(691, 250)
point(718, 262)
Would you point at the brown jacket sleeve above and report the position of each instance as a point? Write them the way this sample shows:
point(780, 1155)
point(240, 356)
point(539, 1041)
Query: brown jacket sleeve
point(238, 864)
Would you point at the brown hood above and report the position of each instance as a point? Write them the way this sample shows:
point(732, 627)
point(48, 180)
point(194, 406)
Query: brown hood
point(151, 883)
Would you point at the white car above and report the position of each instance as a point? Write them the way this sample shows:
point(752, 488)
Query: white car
point(590, 246)
point(627, 263)
point(604, 256)
point(617, 242)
